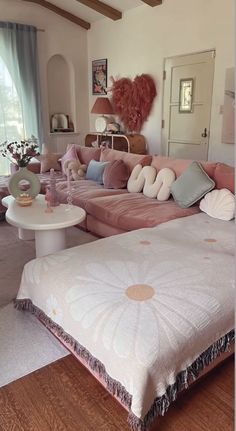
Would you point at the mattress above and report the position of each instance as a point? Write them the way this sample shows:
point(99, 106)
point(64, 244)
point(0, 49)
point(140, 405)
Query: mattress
point(146, 310)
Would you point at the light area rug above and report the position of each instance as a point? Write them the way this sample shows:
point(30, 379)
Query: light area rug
point(25, 344)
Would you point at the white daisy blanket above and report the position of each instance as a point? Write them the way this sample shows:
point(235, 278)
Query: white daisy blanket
point(147, 310)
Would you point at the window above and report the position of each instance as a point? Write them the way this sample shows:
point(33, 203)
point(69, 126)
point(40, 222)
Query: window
point(11, 121)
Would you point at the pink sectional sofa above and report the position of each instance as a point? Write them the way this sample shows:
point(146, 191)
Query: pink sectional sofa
point(111, 212)
point(114, 211)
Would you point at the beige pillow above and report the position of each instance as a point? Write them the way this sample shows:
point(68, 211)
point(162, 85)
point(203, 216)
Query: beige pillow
point(50, 161)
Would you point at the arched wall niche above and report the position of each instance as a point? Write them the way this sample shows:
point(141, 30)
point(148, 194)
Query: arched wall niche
point(61, 94)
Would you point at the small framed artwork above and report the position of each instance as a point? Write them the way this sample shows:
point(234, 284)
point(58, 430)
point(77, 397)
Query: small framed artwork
point(99, 76)
point(185, 95)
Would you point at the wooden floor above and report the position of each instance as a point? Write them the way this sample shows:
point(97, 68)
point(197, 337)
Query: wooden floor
point(65, 396)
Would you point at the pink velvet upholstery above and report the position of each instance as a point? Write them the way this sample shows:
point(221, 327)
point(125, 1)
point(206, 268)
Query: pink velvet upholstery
point(130, 159)
point(180, 165)
point(134, 211)
point(84, 190)
point(86, 154)
point(101, 229)
point(50, 161)
point(116, 175)
point(224, 177)
point(71, 154)
point(115, 211)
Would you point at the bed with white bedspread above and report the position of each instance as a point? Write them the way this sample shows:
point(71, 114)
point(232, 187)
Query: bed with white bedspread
point(146, 310)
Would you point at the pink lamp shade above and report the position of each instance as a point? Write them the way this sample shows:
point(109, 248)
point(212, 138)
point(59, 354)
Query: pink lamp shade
point(102, 106)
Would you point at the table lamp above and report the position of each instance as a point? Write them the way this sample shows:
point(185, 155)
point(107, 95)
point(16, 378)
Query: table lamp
point(102, 106)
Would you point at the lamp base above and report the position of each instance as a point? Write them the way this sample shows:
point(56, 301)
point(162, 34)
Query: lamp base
point(101, 124)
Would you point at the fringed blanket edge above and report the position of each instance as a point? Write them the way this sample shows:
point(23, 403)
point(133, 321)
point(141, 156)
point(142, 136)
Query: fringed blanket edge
point(160, 404)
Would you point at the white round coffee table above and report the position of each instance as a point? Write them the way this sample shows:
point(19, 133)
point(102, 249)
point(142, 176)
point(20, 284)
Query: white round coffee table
point(49, 228)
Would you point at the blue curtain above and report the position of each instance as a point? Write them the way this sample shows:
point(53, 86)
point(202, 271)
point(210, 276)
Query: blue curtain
point(18, 49)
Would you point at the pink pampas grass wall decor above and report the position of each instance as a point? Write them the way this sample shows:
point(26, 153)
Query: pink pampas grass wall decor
point(133, 100)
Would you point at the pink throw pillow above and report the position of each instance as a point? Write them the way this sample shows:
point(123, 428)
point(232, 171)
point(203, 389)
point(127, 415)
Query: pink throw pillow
point(86, 154)
point(50, 161)
point(116, 175)
point(71, 154)
point(130, 159)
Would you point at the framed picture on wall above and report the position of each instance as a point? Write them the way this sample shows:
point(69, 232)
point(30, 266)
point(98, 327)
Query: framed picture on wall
point(99, 76)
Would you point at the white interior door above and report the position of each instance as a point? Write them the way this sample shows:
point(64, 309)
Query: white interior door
point(187, 105)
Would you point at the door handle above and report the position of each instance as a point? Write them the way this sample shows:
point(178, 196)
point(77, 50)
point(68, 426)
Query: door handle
point(204, 133)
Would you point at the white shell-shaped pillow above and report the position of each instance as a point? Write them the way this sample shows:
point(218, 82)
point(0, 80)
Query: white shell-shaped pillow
point(219, 204)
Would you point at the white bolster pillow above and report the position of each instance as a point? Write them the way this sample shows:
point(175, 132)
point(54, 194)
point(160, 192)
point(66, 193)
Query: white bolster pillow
point(160, 188)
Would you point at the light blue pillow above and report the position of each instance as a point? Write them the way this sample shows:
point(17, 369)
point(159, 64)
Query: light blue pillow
point(95, 171)
point(191, 186)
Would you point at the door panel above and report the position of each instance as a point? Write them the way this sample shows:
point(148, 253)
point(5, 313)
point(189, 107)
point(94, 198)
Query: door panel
point(182, 133)
point(185, 127)
point(190, 151)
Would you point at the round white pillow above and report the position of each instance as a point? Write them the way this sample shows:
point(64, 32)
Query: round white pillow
point(219, 204)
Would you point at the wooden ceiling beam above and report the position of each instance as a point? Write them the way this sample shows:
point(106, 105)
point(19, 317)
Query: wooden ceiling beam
point(62, 12)
point(153, 3)
point(102, 8)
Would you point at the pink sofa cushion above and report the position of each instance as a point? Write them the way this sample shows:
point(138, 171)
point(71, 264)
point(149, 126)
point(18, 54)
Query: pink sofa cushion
point(88, 153)
point(83, 190)
point(130, 159)
point(180, 165)
point(134, 211)
point(71, 154)
point(50, 161)
point(116, 175)
point(224, 177)
point(85, 154)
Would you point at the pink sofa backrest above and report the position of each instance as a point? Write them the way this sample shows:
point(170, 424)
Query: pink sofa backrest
point(224, 177)
point(130, 159)
point(86, 154)
point(180, 165)
point(222, 174)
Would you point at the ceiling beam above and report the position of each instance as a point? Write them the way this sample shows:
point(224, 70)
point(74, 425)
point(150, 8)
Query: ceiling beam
point(102, 8)
point(62, 12)
point(153, 3)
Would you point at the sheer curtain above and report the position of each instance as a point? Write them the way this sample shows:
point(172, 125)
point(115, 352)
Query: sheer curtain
point(20, 115)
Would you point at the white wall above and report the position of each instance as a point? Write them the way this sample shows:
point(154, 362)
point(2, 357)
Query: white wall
point(145, 36)
point(60, 37)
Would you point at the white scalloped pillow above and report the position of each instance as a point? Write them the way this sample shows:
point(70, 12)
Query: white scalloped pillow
point(219, 204)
